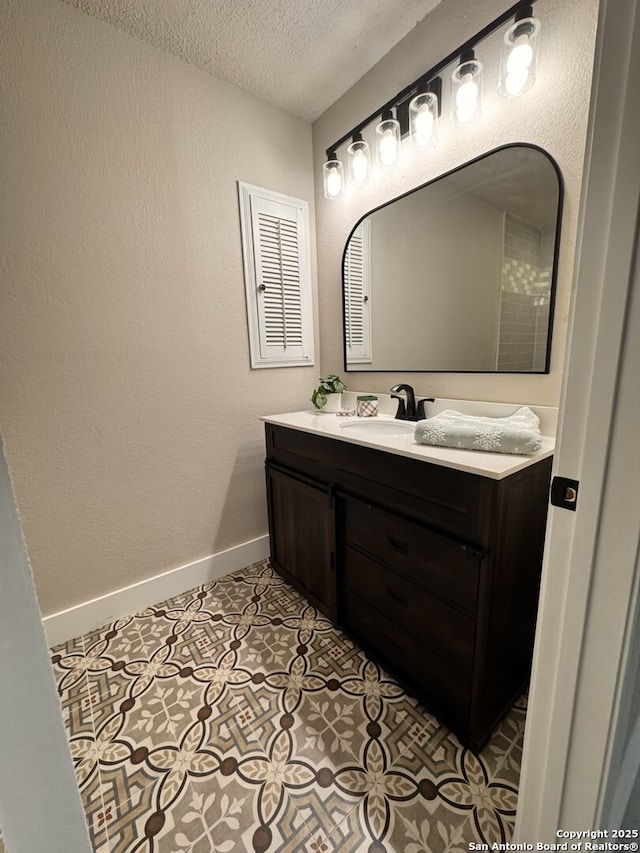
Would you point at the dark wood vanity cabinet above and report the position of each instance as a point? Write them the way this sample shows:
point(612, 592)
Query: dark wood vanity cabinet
point(301, 528)
point(434, 571)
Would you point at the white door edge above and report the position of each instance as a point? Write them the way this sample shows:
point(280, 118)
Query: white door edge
point(579, 657)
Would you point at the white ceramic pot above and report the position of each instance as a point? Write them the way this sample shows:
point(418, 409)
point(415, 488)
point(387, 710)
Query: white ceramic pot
point(333, 404)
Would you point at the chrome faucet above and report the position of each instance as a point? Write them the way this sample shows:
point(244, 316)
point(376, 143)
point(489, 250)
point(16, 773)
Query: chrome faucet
point(409, 409)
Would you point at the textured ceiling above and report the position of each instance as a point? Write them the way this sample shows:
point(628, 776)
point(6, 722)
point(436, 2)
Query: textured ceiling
point(301, 55)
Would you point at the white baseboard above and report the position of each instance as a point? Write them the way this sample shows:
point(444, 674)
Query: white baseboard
point(82, 618)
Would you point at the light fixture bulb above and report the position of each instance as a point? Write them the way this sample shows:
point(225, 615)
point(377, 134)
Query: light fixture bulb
point(424, 129)
point(360, 167)
point(466, 82)
point(424, 122)
point(388, 148)
point(332, 177)
point(334, 183)
point(519, 55)
point(466, 99)
point(359, 160)
point(518, 64)
point(387, 141)
point(515, 81)
point(423, 119)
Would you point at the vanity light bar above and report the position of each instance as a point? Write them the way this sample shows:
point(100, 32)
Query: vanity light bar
point(517, 74)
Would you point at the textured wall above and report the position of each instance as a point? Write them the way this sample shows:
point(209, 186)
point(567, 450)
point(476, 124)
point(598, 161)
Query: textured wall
point(553, 115)
point(128, 408)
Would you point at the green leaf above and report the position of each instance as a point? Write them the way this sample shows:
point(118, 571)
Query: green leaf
point(318, 399)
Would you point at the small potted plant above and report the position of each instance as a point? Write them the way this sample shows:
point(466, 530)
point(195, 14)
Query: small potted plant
point(328, 395)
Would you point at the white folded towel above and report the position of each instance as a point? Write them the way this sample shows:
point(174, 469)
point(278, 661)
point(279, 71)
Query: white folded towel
point(518, 433)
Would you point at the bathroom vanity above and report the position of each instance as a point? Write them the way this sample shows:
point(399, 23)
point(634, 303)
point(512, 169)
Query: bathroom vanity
point(429, 557)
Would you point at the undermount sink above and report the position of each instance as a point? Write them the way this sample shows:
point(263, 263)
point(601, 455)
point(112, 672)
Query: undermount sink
point(373, 426)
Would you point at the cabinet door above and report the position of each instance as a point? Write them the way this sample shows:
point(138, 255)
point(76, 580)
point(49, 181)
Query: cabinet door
point(301, 528)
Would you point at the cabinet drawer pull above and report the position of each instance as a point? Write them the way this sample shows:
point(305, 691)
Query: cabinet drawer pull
point(394, 596)
point(395, 645)
point(398, 544)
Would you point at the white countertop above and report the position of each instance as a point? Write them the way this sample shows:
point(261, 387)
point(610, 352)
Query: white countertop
point(492, 465)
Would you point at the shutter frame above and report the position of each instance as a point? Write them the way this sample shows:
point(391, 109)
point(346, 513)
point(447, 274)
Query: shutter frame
point(357, 296)
point(277, 268)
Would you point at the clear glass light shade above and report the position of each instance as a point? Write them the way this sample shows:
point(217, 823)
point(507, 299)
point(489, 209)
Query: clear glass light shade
point(423, 120)
point(388, 143)
point(519, 57)
point(466, 92)
point(359, 162)
point(333, 179)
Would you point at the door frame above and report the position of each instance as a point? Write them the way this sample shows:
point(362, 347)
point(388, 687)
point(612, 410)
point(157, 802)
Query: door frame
point(589, 588)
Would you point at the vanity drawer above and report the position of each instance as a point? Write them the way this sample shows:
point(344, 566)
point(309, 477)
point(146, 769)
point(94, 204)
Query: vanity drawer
point(448, 631)
point(454, 502)
point(434, 677)
point(438, 564)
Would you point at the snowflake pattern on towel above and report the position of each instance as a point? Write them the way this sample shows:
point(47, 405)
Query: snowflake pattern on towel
point(434, 432)
point(488, 438)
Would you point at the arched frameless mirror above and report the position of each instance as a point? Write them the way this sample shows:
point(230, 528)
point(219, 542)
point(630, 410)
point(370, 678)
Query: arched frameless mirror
point(458, 275)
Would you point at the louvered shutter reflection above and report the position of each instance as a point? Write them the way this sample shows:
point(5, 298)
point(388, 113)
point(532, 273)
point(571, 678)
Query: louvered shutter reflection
point(357, 296)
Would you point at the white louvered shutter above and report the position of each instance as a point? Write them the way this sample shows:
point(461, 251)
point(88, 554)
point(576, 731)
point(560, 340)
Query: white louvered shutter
point(278, 280)
point(357, 295)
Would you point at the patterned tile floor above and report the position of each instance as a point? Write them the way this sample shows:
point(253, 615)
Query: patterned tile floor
point(235, 717)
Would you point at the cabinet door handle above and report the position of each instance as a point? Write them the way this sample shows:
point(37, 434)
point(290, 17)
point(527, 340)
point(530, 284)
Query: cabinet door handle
point(394, 596)
point(395, 645)
point(398, 544)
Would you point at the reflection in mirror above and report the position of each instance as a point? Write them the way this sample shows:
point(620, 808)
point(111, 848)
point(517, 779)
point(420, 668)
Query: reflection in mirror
point(458, 275)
